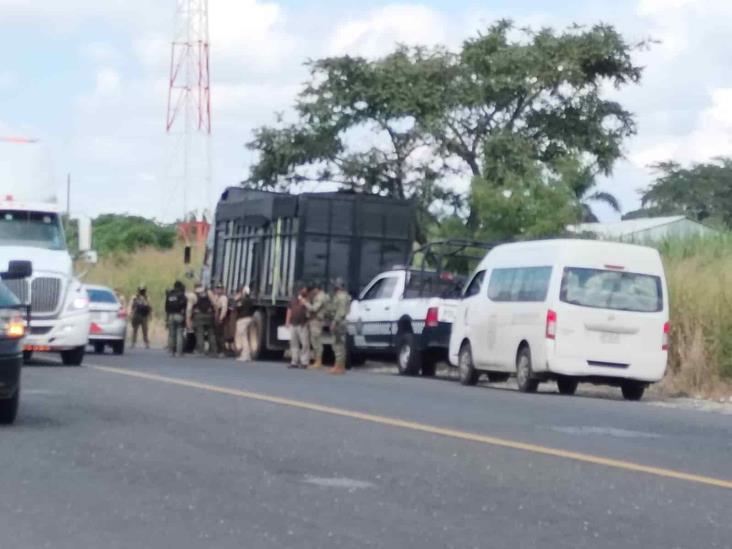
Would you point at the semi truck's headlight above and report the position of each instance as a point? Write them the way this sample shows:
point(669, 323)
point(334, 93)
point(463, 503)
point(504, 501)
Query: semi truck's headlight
point(79, 303)
point(12, 325)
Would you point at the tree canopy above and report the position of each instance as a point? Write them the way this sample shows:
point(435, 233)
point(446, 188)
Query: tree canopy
point(702, 192)
point(521, 113)
point(125, 233)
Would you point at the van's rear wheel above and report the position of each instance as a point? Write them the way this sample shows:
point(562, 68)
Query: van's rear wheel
point(567, 385)
point(524, 374)
point(633, 390)
point(468, 374)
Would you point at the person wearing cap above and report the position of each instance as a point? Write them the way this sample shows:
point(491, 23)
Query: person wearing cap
point(317, 307)
point(297, 321)
point(200, 319)
point(140, 313)
point(244, 310)
point(341, 304)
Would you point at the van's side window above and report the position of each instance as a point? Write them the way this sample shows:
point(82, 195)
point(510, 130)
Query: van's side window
point(524, 284)
point(474, 287)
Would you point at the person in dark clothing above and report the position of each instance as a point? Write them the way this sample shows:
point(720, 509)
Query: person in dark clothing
point(176, 304)
point(140, 313)
point(200, 319)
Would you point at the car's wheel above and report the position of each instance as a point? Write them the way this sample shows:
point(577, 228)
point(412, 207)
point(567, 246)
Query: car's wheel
point(466, 369)
point(99, 348)
point(9, 408)
point(567, 385)
point(409, 357)
point(524, 374)
point(633, 390)
point(27, 356)
point(118, 347)
point(73, 357)
point(498, 377)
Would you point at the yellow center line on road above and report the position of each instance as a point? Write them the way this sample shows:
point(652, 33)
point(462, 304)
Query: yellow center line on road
point(431, 429)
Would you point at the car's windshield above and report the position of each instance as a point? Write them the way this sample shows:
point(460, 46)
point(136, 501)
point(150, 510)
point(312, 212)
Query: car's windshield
point(605, 289)
point(7, 298)
point(35, 229)
point(101, 296)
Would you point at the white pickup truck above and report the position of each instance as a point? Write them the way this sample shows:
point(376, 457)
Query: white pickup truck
point(408, 312)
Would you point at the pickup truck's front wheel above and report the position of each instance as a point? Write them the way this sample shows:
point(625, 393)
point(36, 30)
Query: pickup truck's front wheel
point(409, 357)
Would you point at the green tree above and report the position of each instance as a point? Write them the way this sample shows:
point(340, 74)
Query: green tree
point(702, 192)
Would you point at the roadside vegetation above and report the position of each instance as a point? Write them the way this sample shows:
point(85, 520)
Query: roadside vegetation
point(699, 274)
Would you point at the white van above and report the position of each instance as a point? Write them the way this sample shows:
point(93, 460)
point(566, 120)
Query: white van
point(566, 310)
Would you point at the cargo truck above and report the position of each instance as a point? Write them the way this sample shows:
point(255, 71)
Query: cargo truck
point(31, 229)
point(273, 241)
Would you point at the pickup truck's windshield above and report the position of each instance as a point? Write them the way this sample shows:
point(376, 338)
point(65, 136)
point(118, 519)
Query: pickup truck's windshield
point(35, 229)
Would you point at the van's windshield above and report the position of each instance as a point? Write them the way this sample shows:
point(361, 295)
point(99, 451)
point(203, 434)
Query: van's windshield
point(604, 289)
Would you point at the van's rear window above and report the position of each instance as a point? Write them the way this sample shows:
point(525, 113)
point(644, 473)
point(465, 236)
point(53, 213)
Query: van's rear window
point(615, 290)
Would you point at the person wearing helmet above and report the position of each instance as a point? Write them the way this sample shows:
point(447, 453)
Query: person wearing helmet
point(341, 303)
point(140, 313)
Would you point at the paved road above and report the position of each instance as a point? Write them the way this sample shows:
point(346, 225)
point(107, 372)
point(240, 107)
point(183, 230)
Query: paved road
point(197, 453)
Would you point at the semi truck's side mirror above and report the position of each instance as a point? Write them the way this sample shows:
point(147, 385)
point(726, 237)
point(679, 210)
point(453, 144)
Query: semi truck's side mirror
point(187, 255)
point(18, 270)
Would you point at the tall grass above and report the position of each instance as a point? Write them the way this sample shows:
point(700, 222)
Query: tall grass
point(699, 272)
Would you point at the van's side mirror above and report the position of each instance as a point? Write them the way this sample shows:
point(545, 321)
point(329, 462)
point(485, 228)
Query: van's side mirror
point(18, 270)
point(187, 255)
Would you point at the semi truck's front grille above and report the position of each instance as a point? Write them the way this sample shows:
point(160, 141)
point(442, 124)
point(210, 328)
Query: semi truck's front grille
point(45, 294)
point(19, 288)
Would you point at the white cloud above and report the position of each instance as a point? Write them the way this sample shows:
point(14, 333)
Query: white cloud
point(8, 80)
point(378, 32)
point(99, 52)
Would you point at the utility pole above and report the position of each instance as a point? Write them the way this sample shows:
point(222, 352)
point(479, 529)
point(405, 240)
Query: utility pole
point(68, 196)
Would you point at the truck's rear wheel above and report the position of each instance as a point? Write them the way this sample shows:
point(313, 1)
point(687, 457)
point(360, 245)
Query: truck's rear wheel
point(257, 336)
point(409, 357)
point(9, 408)
point(73, 357)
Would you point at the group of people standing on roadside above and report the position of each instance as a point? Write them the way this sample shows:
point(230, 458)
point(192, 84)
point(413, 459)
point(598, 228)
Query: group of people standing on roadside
point(309, 312)
point(222, 324)
point(219, 322)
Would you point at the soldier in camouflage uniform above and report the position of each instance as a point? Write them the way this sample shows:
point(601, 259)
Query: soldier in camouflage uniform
point(341, 303)
point(317, 307)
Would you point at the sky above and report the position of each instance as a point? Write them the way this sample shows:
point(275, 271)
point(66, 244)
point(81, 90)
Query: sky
point(89, 78)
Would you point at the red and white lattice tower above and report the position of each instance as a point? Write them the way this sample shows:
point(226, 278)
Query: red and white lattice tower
point(189, 98)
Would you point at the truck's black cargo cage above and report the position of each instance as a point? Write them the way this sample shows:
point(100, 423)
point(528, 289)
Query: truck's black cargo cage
point(272, 241)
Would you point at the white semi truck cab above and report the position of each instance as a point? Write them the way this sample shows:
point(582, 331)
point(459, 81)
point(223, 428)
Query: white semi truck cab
point(31, 229)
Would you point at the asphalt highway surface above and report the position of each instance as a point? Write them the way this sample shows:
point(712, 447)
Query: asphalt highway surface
point(148, 451)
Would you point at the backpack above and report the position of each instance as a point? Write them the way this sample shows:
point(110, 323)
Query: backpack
point(141, 308)
point(175, 302)
point(204, 305)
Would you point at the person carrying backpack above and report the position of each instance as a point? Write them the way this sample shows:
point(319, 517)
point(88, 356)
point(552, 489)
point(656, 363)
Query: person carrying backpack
point(200, 317)
point(176, 304)
point(140, 313)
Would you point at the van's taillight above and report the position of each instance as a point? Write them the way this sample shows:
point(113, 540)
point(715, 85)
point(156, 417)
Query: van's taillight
point(666, 337)
point(121, 313)
point(432, 320)
point(551, 324)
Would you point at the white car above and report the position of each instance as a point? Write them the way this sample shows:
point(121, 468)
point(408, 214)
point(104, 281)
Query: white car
point(566, 310)
point(108, 320)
